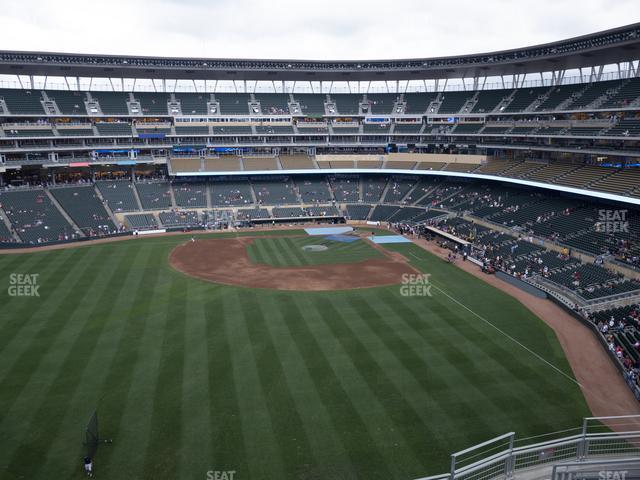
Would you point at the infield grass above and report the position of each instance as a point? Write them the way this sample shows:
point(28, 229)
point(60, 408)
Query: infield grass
point(288, 251)
point(189, 376)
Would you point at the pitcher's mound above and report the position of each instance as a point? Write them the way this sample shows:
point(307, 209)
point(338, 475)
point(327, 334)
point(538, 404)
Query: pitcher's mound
point(225, 261)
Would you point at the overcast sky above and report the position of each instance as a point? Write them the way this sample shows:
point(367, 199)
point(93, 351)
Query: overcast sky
point(325, 29)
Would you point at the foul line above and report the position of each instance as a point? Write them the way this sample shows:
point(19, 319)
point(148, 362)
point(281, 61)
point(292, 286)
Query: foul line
point(502, 331)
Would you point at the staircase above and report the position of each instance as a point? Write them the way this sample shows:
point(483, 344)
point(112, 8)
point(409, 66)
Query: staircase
point(5, 219)
point(64, 213)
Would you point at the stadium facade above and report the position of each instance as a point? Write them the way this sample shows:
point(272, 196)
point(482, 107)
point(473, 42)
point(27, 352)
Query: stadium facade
point(539, 142)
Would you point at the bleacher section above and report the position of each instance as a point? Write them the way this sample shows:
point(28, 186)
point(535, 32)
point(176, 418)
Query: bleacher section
point(182, 218)
point(312, 105)
point(381, 103)
point(273, 103)
point(114, 128)
point(524, 97)
point(249, 214)
point(347, 103)
point(358, 212)
point(194, 103)
point(233, 103)
point(142, 221)
point(231, 193)
point(193, 195)
point(154, 195)
point(69, 103)
point(313, 189)
point(274, 191)
point(34, 217)
point(452, 102)
point(372, 188)
point(22, 102)
point(153, 103)
point(85, 209)
point(112, 103)
point(118, 195)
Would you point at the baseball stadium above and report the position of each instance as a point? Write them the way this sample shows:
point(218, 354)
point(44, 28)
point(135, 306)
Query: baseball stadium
point(423, 268)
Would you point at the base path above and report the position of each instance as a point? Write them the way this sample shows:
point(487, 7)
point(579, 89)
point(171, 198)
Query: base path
point(226, 261)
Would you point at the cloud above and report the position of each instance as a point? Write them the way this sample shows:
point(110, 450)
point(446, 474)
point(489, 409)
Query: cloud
point(331, 29)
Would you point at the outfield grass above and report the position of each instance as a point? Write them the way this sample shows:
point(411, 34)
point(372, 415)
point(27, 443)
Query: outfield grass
point(288, 251)
point(189, 376)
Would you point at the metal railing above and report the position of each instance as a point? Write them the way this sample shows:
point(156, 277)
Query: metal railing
point(594, 442)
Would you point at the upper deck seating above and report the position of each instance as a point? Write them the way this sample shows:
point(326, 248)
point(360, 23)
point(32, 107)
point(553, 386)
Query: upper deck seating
point(68, 102)
point(22, 102)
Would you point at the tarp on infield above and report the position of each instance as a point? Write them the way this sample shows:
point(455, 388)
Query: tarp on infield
point(342, 238)
point(389, 239)
point(328, 230)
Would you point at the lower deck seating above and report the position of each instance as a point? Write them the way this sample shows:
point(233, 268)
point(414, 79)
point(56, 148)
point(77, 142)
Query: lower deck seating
point(34, 217)
point(323, 211)
point(141, 221)
point(249, 214)
point(193, 195)
point(345, 188)
point(382, 213)
point(154, 195)
point(179, 218)
point(5, 233)
point(397, 188)
point(119, 195)
point(231, 193)
point(274, 191)
point(358, 212)
point(288, 212)
point(86, 209)
point(313, 189)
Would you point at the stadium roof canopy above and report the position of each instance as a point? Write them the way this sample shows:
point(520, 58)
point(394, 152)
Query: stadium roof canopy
point(608, 47)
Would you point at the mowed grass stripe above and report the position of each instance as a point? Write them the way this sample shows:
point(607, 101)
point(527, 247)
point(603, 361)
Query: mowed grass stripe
point(323, 439)
point(93, 383)
point(141, 398)
point(27, 312)
point(363, 438)
point(292, 442)
point(409, 370)
point(437, 359)
point(125, 409)
point(405, 419)
point(32, 380)
point(29, 341)
point(87, 326)
point(195, 441)
point(259, 437)
point(483, 298)
point(295, 253)
point(227, 447)
point(465, 361)
point(484, 301)
point(502, 364)
point(160, 457)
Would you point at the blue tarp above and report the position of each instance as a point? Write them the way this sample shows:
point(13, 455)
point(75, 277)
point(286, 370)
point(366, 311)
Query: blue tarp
point(328, 230)
point(342, 238)
point(389, 239)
